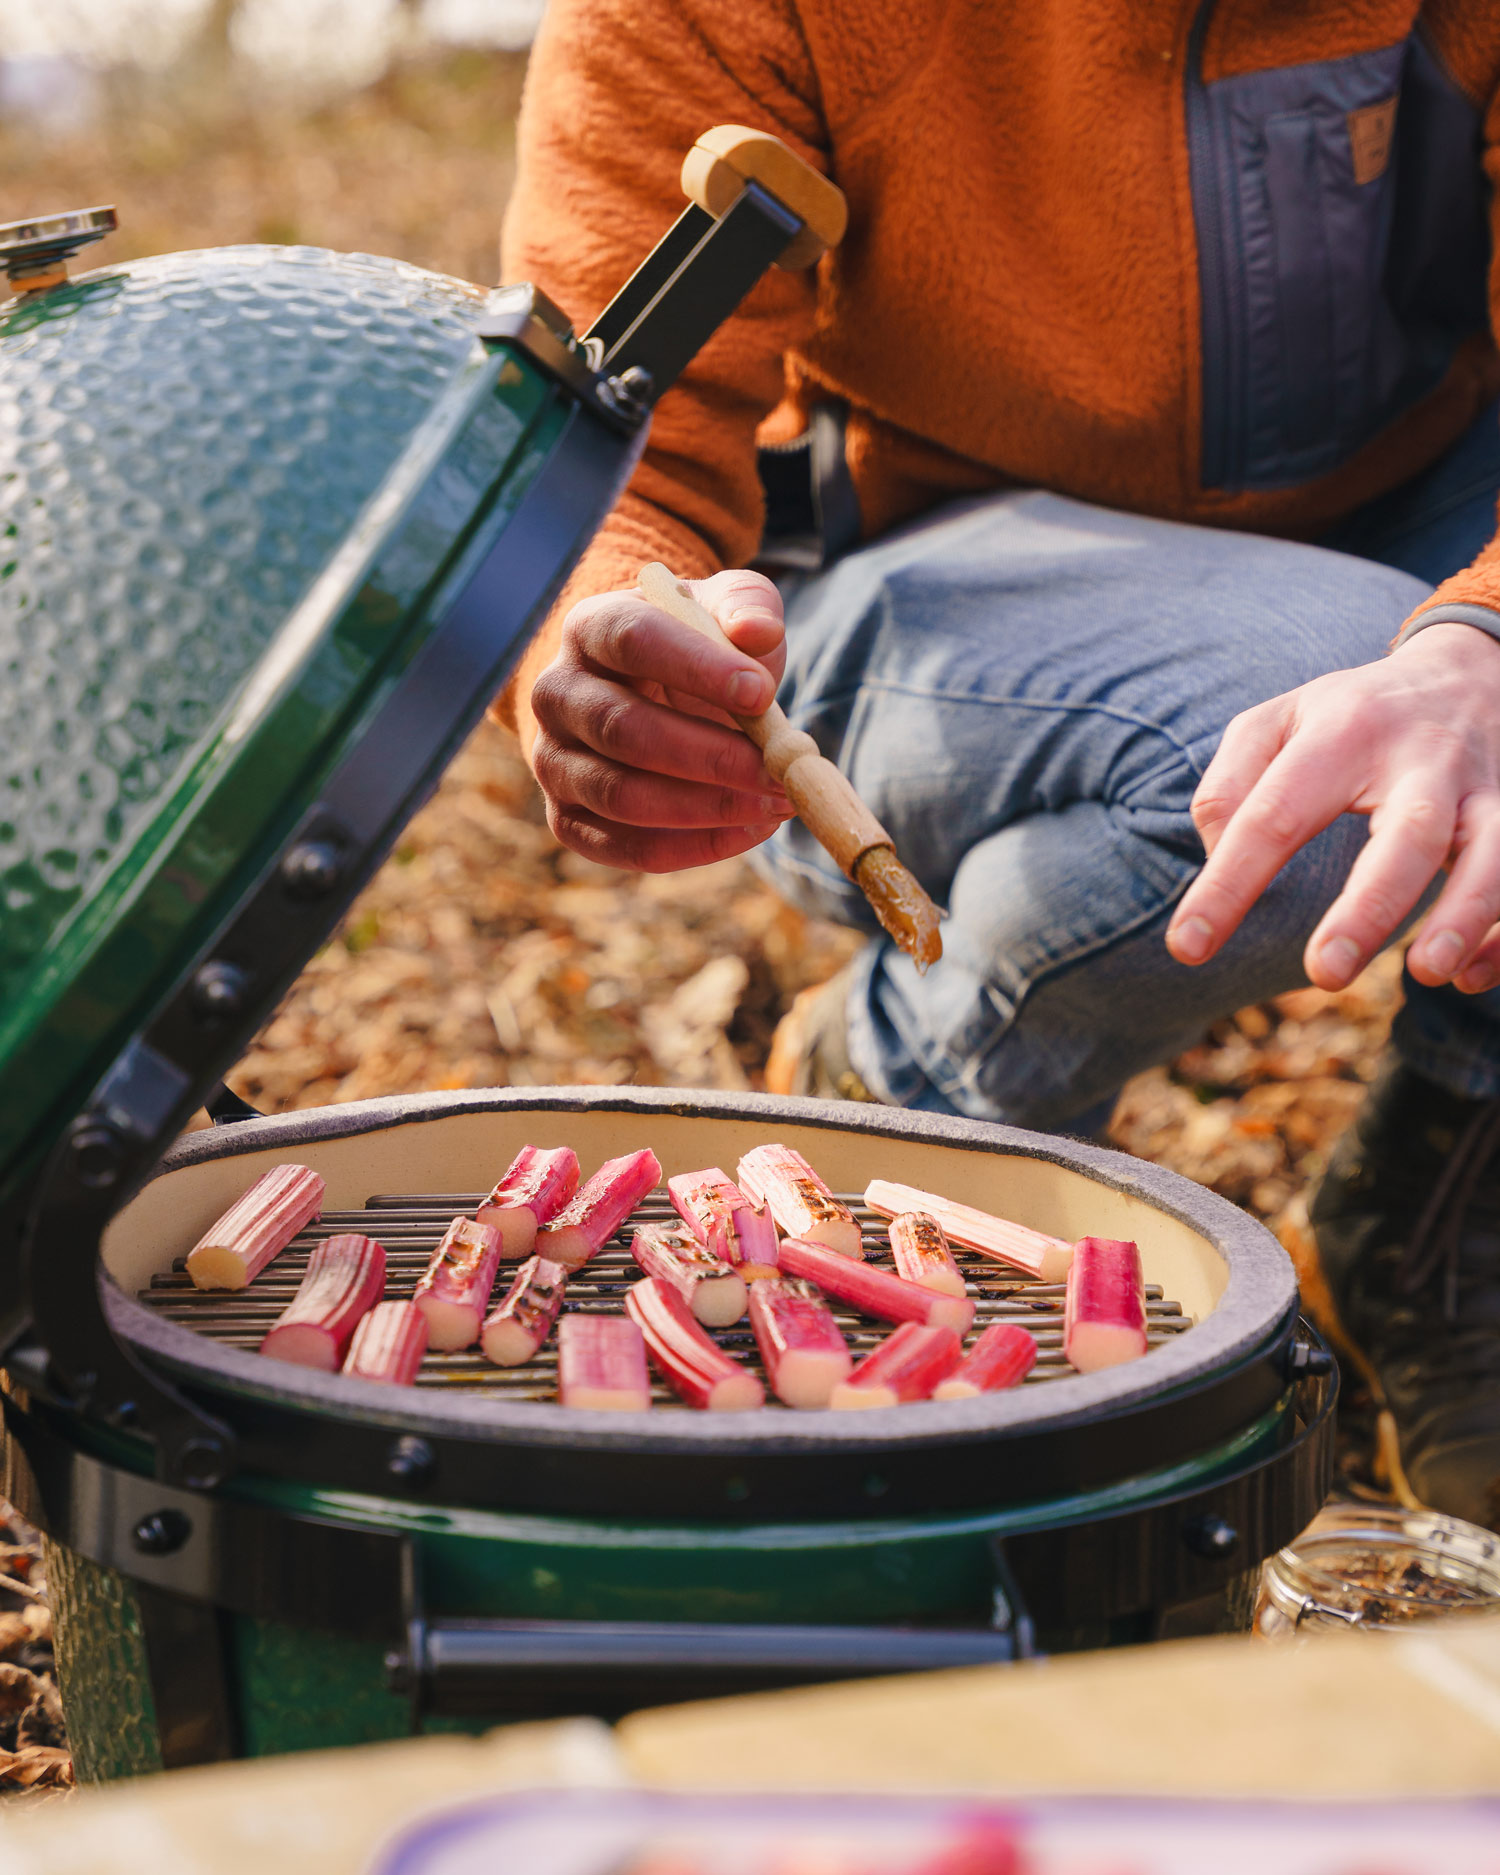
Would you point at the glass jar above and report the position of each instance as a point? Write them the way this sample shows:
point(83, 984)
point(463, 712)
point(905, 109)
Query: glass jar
point(1376, 1566)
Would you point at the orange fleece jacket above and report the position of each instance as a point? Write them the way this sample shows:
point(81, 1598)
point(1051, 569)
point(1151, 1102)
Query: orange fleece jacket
point(1017, 299)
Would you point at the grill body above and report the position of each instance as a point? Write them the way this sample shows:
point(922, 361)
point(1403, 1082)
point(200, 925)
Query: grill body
point(448, 1556)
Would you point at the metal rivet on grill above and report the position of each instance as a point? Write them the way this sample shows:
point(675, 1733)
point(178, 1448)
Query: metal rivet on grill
point(161, 1533)
point(219, 991)
point(98, 1157)
point(876, 1486)
point(1210, 1537)
point(736, 1490)
point(411, 1460)
point(312, 869)
point(200, 1464)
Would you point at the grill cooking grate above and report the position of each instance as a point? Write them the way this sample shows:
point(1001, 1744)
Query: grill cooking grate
point(409, 1228)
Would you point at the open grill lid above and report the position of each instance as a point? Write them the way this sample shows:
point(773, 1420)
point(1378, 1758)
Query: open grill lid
point(278, 524)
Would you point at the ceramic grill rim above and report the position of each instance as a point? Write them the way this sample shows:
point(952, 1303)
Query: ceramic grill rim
point(1253, 1316)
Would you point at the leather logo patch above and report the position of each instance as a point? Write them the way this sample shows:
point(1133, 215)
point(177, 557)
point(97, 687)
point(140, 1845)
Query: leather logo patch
point(1370, 131)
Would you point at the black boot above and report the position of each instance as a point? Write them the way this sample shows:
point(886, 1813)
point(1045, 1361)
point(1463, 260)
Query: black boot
point(1407, 1221)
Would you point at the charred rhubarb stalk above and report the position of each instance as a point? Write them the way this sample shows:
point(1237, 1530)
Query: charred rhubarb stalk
point(454, 1290)
point(1044, 1257)
point(388, 1344)
point(1104, 1320)
point(922, 1254)
point(234, 1251)
point(601, 1364)
point(537, 1184)
point(343, 1281)
point(514, 1331)
point(907, 1365)
point(721, 1216)
point(694, 1367)
point(798, 1199)
point(804, 1352)
point(1001, 1357)
point(874, 1291)
point(598, 1209)
point(713, 1290)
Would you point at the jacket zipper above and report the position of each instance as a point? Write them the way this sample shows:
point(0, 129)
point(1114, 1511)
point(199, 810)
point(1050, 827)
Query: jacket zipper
point(1222, 441)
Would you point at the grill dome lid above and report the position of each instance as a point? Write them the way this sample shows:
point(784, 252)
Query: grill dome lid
point(276, 523)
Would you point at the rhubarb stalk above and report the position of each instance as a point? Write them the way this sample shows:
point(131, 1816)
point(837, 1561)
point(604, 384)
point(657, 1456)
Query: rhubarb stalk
point(601, 1364)
point(721, 1216)
point(920, 1248)
point(237, 1247)
point(388, 1344)
point(798, 1199)
point(907, 1365)
point(671, 1254)
point(598, 1209)
point(696, 1368)
point(343, 1281)
point(1001, 1357)
point(874, 1291)
point(454, 1290)
point(537, 1184)
point(1104, 1320)
point(1044, 1257)
point(804, 1352)
point(514, 1331)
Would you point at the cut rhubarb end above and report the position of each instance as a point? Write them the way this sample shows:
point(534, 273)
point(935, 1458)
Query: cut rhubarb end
point(343, 1281)
point(598, 1209)
point(1104, 1317)
point(388, 1345)
point(1044, 1257)
point(673, 1255)
point(920, 1248)
point(1001, 1357)
point(697, 1369)
point(802, 1346)
point(874, 1291)
point(515, 1331)
point(758, 1272)
point(798, 1200)
point(601, 1364)
point(907, 1365)
point(454, 1290)
point(539, 1181)
point(234, 1250)
point(847, 1398)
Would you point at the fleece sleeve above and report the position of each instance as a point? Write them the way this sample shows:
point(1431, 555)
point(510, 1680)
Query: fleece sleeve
point(617, 92)
point(1472, 597)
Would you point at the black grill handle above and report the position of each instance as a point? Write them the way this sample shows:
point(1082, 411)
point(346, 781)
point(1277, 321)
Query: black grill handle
point(490, 1668)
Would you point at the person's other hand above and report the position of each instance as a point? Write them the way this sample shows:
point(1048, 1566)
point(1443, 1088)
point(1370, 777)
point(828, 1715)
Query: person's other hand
point(634, 746)
point(1414, 742)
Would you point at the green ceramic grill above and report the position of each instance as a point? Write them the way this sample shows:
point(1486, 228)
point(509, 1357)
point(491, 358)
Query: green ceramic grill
point(278, 522)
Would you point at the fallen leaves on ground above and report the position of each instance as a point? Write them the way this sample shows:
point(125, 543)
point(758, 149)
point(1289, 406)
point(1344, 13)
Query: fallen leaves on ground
point(33, 1738)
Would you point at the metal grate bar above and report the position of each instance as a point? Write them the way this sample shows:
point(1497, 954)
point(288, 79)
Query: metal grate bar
point(409, 1227)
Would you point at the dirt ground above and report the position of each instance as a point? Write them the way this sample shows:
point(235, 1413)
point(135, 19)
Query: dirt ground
point(482, 954)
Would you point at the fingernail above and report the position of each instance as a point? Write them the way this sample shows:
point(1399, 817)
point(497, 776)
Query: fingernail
point(1340, 956)
point(775, 806)
point(1192, 939)
point(746, 691)
point(749, 614)
point(1476, 979)
point(1441, 953)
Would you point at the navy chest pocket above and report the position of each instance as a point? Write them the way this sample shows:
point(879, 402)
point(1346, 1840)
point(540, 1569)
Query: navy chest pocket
point(1342, 253)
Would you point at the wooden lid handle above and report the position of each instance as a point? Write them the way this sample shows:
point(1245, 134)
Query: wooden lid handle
point(724, 159)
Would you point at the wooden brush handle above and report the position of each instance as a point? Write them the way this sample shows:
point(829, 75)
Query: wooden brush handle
point(822, 796)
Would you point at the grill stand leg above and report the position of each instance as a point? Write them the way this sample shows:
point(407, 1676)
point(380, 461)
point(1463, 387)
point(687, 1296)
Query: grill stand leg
point(187, 1659)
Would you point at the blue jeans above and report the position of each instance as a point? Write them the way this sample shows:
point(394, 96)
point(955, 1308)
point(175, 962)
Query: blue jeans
point(1027, 690)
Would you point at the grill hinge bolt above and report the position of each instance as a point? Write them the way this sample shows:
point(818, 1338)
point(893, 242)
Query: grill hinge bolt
point(98, 1156)
point(411, 1460)
point(1305, 1362)
point(629, 393)
point(161, 1533)
point(311, 869)
point(1210, 1537)
point(219, 991)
